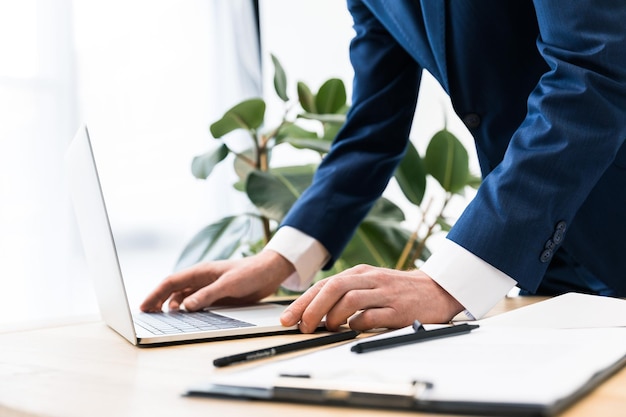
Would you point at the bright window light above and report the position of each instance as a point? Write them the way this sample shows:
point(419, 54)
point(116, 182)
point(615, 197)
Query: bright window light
point(18, 38)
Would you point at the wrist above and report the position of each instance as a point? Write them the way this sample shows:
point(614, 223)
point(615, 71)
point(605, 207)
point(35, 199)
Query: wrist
point(281, 268)
point(451, 305)
point(305, 253)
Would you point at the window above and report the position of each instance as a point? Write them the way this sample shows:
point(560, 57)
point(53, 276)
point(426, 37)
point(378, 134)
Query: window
point(148, 77)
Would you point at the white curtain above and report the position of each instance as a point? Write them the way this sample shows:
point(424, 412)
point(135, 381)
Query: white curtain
point(148, 77)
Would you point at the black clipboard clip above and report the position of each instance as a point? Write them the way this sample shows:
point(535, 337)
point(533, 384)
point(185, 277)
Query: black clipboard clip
point(361, 393)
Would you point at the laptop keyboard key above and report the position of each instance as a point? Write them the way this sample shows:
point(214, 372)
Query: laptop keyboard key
point(183, 322)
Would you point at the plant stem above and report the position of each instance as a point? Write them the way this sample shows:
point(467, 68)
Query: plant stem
point(429, 232)
point(261, 144)
point(267, 232)
point(406, 250)
point(411, 241)
point(422, 244)
point(263, 165)
point(257, 149)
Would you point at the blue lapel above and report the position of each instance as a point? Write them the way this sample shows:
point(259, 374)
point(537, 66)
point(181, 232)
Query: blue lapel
point(420, 27)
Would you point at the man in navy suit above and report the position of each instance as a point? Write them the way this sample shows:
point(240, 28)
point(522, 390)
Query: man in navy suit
point(542, 88)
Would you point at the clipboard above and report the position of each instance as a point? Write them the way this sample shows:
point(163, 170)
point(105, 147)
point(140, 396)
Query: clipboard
point(495, 370)
point(405, 398)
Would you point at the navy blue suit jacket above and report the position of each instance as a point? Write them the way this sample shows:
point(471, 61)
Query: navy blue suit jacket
point(542, 88)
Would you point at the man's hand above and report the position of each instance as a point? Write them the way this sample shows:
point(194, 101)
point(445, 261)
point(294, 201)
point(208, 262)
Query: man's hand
point(239, 281)
point(381, 297)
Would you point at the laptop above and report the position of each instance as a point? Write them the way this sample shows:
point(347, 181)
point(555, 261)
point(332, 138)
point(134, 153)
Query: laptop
point(145, 329)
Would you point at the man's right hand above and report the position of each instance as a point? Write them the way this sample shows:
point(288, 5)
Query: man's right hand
point(237, 281)
point(368, 297)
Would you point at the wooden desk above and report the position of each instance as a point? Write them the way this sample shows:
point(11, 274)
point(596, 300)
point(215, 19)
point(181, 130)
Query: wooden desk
point(86, 369)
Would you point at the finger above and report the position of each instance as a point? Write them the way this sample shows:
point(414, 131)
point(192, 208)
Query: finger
point(327, 298)
point(154, 301)
point(177, 298)
point(293, 314)
point(374, 318)
point(206, 296)
point(192, 277)
point(352, 302)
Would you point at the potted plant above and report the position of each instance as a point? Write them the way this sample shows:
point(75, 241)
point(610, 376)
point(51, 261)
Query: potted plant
point(382, 239)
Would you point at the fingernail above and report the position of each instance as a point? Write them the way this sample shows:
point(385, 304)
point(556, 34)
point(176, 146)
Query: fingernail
point(287, 318)
point(304, 328)
point(190, 303)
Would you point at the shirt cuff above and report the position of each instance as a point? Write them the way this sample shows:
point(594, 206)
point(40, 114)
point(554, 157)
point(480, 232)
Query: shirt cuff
point(474, 283)
point(306, 254)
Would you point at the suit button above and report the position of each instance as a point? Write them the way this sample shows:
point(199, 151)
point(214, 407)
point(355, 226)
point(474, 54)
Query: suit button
point(558, 236)
point(471, 120)
point(559, 232)
point(550, 244)
point(546, 255)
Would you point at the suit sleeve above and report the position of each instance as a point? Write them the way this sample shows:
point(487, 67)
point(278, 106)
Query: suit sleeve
point(370, 145)
point(573, 130)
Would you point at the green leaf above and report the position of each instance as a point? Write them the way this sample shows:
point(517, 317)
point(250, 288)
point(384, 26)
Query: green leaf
point(474, 181)
point(202, 166)
point(273, 193)
point(338, 119)
point(344, 109)
point(306, 98)
point(293, 131)
point(377, 243)
point(444, 224)
point(254, 247)
point(298, 176)
point(331, 96)
point(317, 145)
point(246, 115)
point(379, 240)
point(219, 240)
point(330, 131)
point(242, 167)
point(240, 186)
point(411, 175)
point(280, 79)
point(385, 210)
point(447, 160)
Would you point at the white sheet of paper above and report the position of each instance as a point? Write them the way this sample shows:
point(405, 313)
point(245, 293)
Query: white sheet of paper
point(533, 355)
point(567, 311)
point(491, 364)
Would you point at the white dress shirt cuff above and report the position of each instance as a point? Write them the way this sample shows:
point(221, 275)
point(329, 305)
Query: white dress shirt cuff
point(474, 283)
point(306, 254)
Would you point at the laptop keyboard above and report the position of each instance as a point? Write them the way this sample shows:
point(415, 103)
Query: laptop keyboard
point(184, 322)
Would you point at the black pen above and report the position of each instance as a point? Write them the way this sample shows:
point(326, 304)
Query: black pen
point(289, 347)
point(420, 335)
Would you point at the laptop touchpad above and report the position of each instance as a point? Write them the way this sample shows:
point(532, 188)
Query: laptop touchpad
point(261, 314)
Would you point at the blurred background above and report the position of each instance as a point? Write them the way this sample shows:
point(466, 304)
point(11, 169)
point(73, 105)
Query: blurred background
point(148, 77)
